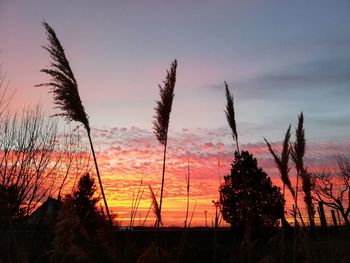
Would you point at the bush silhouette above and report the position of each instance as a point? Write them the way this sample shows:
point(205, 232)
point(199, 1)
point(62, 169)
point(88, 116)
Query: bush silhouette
point(10, 203)
point(248, 194)
point(84, 200)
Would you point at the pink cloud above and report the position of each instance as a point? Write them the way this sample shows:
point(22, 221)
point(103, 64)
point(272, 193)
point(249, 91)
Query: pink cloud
point(127, 153)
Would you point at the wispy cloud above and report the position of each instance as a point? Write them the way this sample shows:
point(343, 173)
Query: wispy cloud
point(315, 77)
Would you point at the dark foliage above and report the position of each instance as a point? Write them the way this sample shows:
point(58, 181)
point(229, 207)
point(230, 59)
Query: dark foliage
point(84, 200)
point(250, 195)
point(10, 203)
point(82, 233)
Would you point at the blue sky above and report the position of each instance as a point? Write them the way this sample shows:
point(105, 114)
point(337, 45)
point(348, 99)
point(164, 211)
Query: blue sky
point(279, 57)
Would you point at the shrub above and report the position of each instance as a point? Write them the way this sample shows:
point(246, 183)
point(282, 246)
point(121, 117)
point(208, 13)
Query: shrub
point(248, 194)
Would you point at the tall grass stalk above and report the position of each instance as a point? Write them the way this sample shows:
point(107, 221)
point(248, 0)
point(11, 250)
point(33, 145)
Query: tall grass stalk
point(230, 115)
point(156, 208)
point(219, 173)
point(149, 209)
point(135, 202)
point(282, 162)
point(297, 152)
point(187, 191)
point(181, 246)
point(192, 214)
point(162, 116)
point(64, 88)
point(216, 227)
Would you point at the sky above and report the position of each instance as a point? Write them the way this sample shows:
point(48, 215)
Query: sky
point(278, 57)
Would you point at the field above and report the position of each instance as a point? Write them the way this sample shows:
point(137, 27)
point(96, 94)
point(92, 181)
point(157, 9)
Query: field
point(177, 245)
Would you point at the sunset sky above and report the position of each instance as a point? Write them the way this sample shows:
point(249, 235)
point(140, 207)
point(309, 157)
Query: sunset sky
point(278, 57)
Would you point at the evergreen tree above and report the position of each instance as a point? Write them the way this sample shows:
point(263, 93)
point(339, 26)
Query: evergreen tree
point(10, 203)
point(85, 202)
point(248, 194)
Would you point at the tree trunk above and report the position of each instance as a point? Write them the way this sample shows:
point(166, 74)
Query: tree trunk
point(345, 216)
point(322, 215)
point(311, 214)
point(335, 224)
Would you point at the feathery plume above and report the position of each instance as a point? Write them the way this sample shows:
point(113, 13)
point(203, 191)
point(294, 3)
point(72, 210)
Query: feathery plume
point(66, 95)
point(283, 160)
point(297, 152)
point(164, 105)
point(63, 83)
point(162, 116)
point(299, 146)
point(230, 115)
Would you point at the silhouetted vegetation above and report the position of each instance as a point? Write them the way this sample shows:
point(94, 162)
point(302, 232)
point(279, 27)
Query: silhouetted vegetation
point(297, 152)
point(10, 203)
point(161, 120)
point(37, 161)
point(247, 197)
point(332, 188)
point(230, 115)
point(248, 194)
point(81, 232)
point(84, 201)
point(28, 161)
point(66, 94)
point(282, 163)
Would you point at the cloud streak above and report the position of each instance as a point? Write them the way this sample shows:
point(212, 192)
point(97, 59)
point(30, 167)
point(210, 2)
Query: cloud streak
point(328, 75)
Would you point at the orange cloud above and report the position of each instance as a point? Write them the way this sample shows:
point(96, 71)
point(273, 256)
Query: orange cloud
point(127, 154)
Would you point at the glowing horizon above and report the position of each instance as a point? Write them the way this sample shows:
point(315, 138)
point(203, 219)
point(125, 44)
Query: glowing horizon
point(278, 59)
point(140, 155)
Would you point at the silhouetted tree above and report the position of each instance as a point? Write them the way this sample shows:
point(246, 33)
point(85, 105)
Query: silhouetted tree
point(162, 117)
point(332, 188)
point(28, 160)
point(65, 246)
point(64, 87)
point(84, 200)
point(248, 194)
point(11, 206)
point(82, 233)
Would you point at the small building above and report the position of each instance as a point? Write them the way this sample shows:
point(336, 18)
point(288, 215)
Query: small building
point(45, 213)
